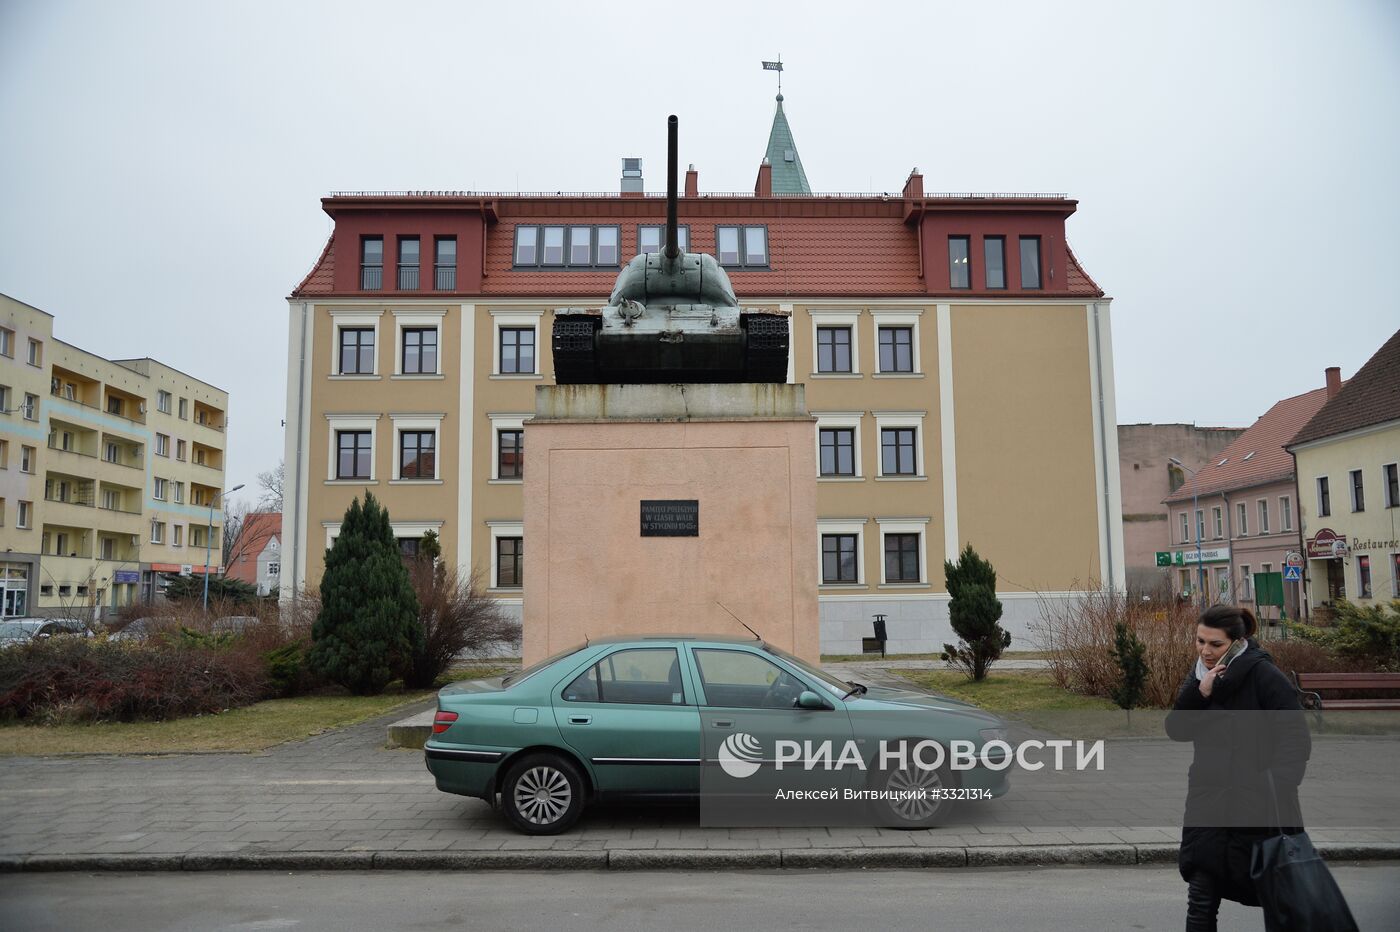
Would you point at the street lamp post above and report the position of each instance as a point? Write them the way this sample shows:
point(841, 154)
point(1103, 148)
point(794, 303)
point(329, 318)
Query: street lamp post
point(209, 539)
point(1196, 521)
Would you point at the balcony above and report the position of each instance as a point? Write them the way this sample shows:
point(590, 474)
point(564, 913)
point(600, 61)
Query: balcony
point(408, 278)
point(208, 417)
point(445, 278)
point(371, 277)
point(69, 513)
point(65, 540)
point(119, 522)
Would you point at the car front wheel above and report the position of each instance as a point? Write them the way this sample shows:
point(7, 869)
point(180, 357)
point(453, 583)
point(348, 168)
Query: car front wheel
point(542, 794)
point(913, 797)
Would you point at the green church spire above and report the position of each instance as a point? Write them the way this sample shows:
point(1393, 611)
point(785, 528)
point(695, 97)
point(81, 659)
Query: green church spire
point(788, 176)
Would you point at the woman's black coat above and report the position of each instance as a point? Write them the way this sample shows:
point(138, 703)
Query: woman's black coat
point(1229, 805)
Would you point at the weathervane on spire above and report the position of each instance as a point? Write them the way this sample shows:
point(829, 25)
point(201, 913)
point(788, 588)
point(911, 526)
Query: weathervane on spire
point(778, 67)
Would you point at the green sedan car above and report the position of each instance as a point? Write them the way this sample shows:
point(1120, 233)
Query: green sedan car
point(676, 716)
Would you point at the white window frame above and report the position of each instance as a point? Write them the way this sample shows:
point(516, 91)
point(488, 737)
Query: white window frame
point(1242, 519)
point(1185, 527)
point(34, 355)
point(1264, 516)
point(854, 526)
point(501, 529)
point(163, 399)
point(163, 445)
point(24, 515)
point(340, 422)
point(160, 488)
point(840, 420)
point(158, 532)
point(844, 318)
point(1217, 516)
point(418, 422)
point(177, 535)
point(1246, 584)
point(905, 526)
point(357, 318)
point(7, 342)
point(903, 318)
point(517, 319)
point(1285, 513)
point(27, 456)
point(500, 422)
point(424, 318)
point(915, 419)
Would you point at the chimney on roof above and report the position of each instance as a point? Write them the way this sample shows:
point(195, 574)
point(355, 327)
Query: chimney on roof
point(914, 185)
point(1334, 381)
point(632, 177)
point(763, 187)
point(692, 182)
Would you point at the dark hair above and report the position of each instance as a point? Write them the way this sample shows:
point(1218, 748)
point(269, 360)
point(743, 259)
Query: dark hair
point(1235, 620)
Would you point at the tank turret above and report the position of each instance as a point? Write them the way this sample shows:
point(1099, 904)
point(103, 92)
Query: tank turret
point(672, 317)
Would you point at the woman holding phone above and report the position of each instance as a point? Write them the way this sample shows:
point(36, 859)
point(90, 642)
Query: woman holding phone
point(1242, 762)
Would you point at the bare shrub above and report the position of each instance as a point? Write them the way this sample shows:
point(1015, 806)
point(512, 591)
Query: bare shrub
point(459, 619)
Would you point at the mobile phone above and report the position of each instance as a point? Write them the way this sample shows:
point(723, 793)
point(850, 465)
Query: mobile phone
point(1236, 648)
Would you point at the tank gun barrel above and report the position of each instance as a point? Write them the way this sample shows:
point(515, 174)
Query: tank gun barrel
point(672, 248)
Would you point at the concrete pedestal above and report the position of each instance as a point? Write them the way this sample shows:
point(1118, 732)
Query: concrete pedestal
point(744, 453)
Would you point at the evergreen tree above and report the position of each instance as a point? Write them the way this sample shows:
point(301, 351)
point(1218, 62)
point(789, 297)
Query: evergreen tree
point(368, 623)
point(1128, 651)
point(973, 611)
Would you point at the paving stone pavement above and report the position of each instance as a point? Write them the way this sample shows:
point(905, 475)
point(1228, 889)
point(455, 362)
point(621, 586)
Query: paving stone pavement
point(345, 792)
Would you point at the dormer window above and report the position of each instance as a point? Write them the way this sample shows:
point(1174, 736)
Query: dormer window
point(742, 247)
point(574, 247)
point(650, 238)
point(371, 263)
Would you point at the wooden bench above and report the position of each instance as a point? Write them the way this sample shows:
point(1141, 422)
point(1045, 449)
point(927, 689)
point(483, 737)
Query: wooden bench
point(1312, 685)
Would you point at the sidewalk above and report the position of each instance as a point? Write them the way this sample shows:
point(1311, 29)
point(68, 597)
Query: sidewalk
point(343, 800)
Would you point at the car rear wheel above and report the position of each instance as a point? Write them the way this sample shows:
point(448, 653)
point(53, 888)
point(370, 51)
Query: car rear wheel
point(542, 794)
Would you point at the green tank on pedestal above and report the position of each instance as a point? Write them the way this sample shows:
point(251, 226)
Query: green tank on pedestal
point(672, 317)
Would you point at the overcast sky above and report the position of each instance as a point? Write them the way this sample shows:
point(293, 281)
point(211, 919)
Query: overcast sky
point(1237, 164)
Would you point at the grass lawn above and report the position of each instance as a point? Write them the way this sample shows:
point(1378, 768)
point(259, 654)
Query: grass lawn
point(251, 728)
point(1007, 691)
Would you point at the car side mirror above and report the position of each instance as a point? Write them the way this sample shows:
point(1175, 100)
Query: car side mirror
point(810, 700)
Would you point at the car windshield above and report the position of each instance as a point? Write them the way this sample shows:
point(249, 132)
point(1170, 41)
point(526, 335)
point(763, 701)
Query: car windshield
point(531, 670)
point(839, 687)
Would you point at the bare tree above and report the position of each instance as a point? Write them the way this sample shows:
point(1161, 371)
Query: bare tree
point(271, 484)
point(235, 542)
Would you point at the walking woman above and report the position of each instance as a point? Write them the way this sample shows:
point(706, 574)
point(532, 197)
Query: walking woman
point(1244, 764)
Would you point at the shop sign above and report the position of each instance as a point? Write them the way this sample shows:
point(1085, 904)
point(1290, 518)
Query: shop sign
point(1208, 555)
point(1326, 544)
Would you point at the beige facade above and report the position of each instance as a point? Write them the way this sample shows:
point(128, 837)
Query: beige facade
point(110, 463)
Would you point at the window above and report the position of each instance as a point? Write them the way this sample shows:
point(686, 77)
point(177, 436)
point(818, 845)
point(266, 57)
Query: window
point(1263, 516)
point(1285, 511)
point(163, 402)
point(420, 350)
point(408, 547)
point(7, 342)
point(1185, 528)
point(839, 558)
point(177, 535)
point(650, 238)
point(1324, 498)
point(510, 454)
point(417, 454)
point(586, 247)
point(371, 263)
point(4, 454)
point(26, 459)
point(837, 451)
point(553, 246)
point(114, 405)
point(833, 349)
point(111, 453)
point(274, 569)
point(959, 262)
point(902, 558)
point(580, 245)
point(357, 351)
point(742, 247)
point(2, 511)
point(179, 492)
point(1246, 584)
point(1363, 577)
point(650, 676)
point(157, 532)
point(162, 444)
point(1358, 493)
point(22, 514)
point(994, 259)
point(510, 562)
point(518, 350)
point(184, 408)
point(445, 263)
point(1217, 521)
point(408, 263)
point(737, 679)
point(526, 245)
point(180, 450)
point(897, 456)
point(352, 454)
point(896, 349)
point(4, 399)
point(1395, 574)
point(608, 247)
point(1391, 474)
point(1030, 262)
point(1241, 520)
point(1200, 525)
point(30, 408)
point(36, 353)
point(159, 490)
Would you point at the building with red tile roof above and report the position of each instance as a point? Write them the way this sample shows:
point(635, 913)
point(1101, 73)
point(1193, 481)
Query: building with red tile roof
point(255, 557)
point(955, 353)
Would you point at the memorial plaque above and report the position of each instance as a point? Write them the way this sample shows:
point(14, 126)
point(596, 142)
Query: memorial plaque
point(671, 518)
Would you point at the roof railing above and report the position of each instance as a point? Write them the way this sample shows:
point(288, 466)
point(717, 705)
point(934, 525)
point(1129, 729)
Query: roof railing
point(661, 195)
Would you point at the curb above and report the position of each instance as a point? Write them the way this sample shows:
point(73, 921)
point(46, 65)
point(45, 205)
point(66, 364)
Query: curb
point(662, 859)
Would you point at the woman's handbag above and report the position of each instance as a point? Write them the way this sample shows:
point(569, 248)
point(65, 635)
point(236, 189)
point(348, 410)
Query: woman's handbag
point(1294, 885)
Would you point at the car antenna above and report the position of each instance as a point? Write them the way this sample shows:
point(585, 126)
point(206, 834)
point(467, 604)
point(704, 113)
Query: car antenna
point(738, 619)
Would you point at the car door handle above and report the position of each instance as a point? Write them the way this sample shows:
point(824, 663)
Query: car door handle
point(580, 719)
point(723, 723)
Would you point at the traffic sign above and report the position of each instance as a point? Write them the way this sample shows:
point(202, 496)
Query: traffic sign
point(1292, 573)
point(1164, 558)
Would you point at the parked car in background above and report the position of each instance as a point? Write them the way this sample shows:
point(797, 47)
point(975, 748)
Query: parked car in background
point(642, 717)
point(23, 630)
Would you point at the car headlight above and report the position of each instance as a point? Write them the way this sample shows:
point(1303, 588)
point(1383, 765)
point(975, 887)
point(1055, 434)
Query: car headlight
point(992, 734)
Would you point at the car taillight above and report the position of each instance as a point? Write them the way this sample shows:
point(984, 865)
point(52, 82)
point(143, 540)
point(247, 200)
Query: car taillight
point(443, 720)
